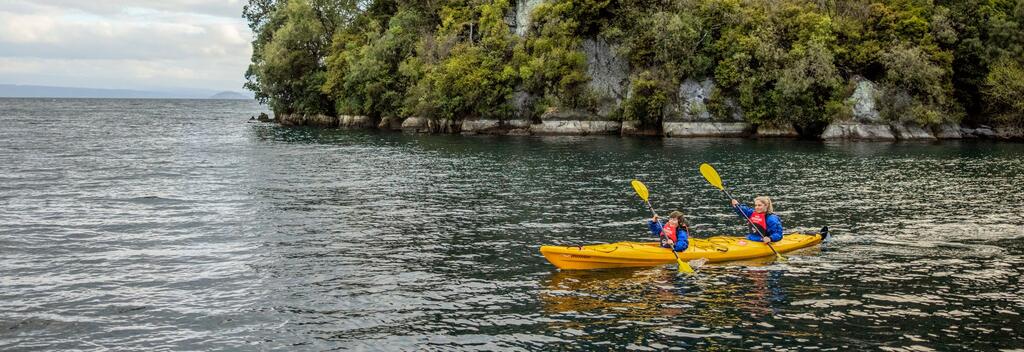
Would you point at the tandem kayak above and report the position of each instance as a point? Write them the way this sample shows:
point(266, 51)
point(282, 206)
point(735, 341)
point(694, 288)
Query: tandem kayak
point(642, 254)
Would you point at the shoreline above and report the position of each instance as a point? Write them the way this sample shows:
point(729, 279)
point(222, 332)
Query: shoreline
point(847, 130)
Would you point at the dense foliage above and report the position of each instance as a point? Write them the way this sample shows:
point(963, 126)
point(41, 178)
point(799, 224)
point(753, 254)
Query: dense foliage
point(777, 61)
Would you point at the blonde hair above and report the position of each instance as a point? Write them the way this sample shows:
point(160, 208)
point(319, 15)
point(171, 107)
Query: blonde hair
point(767, 202)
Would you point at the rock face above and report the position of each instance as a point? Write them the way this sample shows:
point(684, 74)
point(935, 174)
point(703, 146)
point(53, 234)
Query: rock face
point(853, 130)
point(556, 121)
point(493, 126)
point(522, 105)
point(576, 127)
point(1009, 132)
point(356, 121)
point(317, 120)
point(320, 120)
point(911, 131)
point(424, 125)
point(415, 125)
point(688, 115)
point(390, 123)
point(787, 131)
point(864, 102)
point(980, 132)
point(706, 129)
point(263, 117)
point(609, 74)
point(288, 119)
point(633, 128)
point(947, 131)
point(691, 102)
point(520, 21)
point(472, 126)
point(866, 122)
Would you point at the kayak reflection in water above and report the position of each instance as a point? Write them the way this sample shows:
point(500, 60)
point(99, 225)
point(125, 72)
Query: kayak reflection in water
point(764, 219)
point(674, 233)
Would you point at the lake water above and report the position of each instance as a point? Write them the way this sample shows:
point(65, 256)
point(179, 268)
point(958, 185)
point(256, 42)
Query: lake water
point(179, 225)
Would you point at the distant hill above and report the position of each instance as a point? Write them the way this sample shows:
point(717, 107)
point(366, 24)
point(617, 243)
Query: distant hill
point(33, 91)
point(229, 95)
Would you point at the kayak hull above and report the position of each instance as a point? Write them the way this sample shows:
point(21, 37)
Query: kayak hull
point(646, 254)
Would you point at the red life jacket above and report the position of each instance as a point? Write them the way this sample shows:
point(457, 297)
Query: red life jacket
point(760, 220)
point(668, 234)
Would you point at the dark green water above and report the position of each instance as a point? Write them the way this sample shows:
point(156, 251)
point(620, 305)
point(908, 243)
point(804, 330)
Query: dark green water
point(155, 224)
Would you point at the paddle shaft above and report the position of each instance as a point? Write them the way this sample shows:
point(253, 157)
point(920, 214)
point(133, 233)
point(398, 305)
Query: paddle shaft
point(650, 207)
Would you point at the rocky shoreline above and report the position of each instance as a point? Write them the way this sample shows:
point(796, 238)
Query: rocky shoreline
point(688, 116)
point(875, 131)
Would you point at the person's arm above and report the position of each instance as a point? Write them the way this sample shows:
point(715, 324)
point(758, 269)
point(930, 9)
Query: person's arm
point(655, 226)
point(742, 209)
point(774, 228)
point(682, 240)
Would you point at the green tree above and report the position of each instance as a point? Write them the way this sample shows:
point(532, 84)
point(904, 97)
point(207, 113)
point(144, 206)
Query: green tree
point(550, 62)
point(779, 61)
point(466, 70)
point(288, 50)
point(1004, 91)
point(363, 75)
point(786, 61)
point(986, 31)
point(647, 100)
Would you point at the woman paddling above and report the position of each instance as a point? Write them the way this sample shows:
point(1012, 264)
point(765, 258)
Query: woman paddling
point(674, 233)
point(764, 219)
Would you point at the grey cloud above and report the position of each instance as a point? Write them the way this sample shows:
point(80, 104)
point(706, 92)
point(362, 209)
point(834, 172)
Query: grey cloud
point(124, 44)
point(218, 8)
point(132, 74)
point(118, 41)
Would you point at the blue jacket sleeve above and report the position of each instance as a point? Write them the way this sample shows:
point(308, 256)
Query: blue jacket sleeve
point(682, 241)
point(774, 227)
point(744, 210)
point(655, 227)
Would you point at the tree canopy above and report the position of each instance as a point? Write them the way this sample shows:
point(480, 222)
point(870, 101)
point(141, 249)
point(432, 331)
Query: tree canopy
point(778, 61)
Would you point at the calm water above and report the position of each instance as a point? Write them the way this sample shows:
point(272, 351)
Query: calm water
point(177, 225)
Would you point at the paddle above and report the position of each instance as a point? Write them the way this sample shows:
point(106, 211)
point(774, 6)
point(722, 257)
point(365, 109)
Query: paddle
point(641, 190)
point(711, 175)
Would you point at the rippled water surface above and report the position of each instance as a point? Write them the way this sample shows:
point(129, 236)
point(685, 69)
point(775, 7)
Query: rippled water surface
point(178, 225)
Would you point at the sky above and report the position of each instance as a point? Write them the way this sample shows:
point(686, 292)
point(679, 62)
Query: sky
point(130, 44)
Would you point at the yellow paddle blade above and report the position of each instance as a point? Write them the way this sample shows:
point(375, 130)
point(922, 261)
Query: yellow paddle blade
point(711, 175)
point(778, 256)
point(640, 189)
point(684, 267)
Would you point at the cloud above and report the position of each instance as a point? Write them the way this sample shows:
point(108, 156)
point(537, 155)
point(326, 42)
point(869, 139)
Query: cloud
point(188, 43)
point(124, 73)
point(107, 8)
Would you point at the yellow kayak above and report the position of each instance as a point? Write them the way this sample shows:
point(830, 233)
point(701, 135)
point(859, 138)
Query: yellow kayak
point(641, 254)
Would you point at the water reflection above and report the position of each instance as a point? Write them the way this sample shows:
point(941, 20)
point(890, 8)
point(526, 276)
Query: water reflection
point(659, 298)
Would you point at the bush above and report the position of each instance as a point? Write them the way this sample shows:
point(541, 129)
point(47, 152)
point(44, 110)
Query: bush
point(779, 62)
point(646, 101)
point(287, 71)
point(1004, 91)
point(364, 76)
point(550, 62)
point(471, 78)
point(911, 75)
